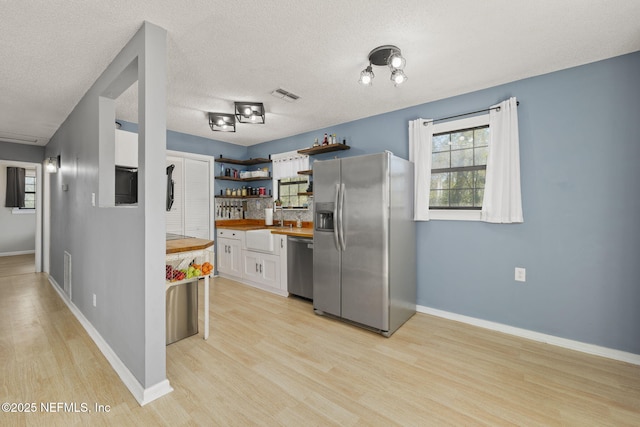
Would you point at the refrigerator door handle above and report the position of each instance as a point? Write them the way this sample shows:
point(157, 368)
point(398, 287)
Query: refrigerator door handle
point(343, 240)
point(336, 218)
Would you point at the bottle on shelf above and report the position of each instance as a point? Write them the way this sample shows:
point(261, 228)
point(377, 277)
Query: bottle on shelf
point(325, 141)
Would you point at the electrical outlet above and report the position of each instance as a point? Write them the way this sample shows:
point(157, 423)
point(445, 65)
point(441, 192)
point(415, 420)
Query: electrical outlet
point(94, 300)
point(521, 274)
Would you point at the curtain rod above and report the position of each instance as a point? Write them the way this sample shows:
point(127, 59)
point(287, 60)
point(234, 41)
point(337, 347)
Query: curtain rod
point(486, 110)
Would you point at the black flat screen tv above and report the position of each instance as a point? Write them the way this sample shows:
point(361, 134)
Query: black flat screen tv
point(126, 185)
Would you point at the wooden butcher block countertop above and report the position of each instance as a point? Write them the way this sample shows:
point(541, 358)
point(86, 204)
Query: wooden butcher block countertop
point(185, 244)
point(258, 224)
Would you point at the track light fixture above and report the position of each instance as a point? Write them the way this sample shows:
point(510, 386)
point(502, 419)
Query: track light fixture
point(366, 76)
point(390, 56)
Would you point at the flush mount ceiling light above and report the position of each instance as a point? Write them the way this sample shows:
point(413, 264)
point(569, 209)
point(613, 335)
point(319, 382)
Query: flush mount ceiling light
point(221, 122)
point(387, 55)
point(250, 112)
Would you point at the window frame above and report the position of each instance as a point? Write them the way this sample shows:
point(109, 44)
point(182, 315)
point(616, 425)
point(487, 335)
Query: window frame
point(302, 179)
point(458, 214)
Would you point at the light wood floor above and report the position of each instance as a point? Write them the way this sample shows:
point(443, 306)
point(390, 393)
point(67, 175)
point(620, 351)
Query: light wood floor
point(17, 264)
point(270, 361)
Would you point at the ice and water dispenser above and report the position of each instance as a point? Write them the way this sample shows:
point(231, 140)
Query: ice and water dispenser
point(324, 216)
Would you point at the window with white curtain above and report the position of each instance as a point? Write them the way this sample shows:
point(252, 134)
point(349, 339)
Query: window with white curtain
point(287, 183)
point(468, 169)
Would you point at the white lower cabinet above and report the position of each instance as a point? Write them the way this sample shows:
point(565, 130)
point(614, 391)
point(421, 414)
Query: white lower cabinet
point(261, 268)
point(267, 271)
point(229, 251)
point(281, 242)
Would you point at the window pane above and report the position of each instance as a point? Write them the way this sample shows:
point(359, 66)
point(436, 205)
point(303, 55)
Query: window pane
point(462, 158)
point(29, 188)
point(461, 139)
point(460, 180)
point(440, 143)
point(30, 200)
point(460, 198)
point(440, 181)
point(479, 177)
point(479, 194)
point(439, 198)
point(481, 137)
point(481, 155)
point(440, 160)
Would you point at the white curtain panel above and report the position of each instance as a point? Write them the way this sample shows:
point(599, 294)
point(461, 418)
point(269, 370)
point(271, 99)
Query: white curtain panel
point(502, 201)
point(420, 133)
point(287, 165)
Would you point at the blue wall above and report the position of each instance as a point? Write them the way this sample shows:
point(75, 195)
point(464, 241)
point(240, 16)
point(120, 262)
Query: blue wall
point(580, 242)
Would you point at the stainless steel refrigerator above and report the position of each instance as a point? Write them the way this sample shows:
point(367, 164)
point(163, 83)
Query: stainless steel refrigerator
point(364, 257)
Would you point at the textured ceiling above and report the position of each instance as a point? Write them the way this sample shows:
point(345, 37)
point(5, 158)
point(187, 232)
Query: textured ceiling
point(51, 52)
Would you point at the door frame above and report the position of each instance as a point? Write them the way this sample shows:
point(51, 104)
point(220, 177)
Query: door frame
point(39, 207)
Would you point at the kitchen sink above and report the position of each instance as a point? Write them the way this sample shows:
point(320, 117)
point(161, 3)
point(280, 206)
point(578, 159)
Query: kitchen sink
point(259, 240)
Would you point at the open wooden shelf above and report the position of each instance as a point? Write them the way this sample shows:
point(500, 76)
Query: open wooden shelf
point(324, 149)
point(249, 162)
point(307, 172)
point(243, 197)
point(257, 178)
point(306, 193)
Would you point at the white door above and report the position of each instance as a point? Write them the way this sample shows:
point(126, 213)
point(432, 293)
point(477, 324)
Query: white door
point(175, 217)
point(196, 198)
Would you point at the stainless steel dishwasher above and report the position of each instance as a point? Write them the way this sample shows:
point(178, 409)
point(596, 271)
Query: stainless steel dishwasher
point(300, 266)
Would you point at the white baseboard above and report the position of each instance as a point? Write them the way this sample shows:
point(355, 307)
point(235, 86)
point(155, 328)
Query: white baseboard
point(596, 350)
point(17, 253)
point(141, 394)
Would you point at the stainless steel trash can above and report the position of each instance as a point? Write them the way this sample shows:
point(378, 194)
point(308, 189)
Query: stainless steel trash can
point(182, 311)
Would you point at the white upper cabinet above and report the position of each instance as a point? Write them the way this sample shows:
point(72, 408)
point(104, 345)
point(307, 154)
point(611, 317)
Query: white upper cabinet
point(126, 149)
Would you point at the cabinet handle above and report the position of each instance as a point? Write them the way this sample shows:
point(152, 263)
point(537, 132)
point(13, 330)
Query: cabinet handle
point(256, 268)
point(281, 243)
point(260, 268)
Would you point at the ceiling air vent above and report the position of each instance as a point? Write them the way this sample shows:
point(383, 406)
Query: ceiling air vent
point(284, 94)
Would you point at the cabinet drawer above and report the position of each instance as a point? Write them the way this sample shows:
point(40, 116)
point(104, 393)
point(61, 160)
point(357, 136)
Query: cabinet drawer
point(231, 234)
